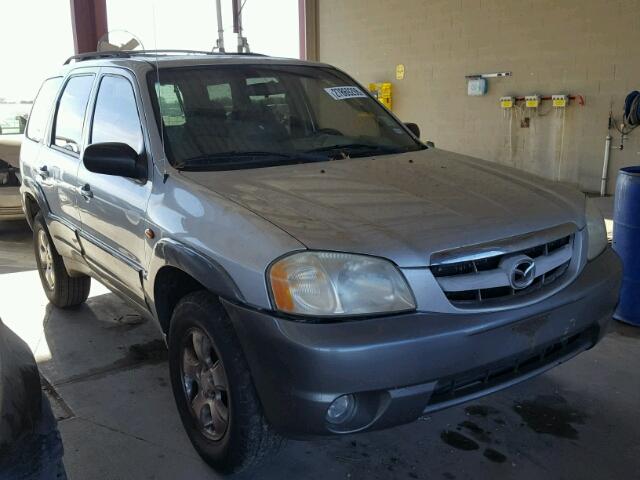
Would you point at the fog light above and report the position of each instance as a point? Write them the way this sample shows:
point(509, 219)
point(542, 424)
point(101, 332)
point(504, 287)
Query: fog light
point(341, 409)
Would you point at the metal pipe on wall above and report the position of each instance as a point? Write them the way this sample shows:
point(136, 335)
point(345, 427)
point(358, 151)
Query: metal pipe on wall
point(243, 45)
point(220, 42)
point(605, 166)
point(302, 28)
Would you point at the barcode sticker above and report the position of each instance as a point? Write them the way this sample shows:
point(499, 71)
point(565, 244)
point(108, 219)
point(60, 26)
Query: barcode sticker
point(344, 93)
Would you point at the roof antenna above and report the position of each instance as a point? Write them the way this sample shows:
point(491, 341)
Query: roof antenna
point(162, 167)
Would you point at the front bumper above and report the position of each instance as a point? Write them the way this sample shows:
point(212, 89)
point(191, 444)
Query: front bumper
point(401, 366)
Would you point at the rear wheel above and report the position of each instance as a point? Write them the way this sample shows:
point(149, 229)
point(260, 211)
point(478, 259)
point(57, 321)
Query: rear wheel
point(212, 386)
point(61, 289)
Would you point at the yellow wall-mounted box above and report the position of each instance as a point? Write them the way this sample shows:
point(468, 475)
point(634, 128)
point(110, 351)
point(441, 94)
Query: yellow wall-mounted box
point(506, 102)
point(383, 92)
point(532, 101)
point(559, 101)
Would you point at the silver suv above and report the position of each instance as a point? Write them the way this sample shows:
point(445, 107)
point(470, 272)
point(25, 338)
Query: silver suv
point(316, 269)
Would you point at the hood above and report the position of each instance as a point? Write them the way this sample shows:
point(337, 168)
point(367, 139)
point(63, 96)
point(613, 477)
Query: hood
point(402, 207)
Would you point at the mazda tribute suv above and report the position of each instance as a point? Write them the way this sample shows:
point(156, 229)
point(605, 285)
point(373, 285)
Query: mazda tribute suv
point(315, 268)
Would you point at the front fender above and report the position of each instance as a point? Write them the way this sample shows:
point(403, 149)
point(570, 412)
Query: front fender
point(208, 272)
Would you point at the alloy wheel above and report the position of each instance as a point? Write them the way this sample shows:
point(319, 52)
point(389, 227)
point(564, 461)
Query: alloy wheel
point(46, 259)
point(205, 384)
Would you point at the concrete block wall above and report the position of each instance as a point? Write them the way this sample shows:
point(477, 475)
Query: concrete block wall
point(586, 47)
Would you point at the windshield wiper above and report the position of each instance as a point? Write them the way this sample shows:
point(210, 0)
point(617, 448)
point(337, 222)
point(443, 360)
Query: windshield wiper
point(356, 149)
point(237, 159)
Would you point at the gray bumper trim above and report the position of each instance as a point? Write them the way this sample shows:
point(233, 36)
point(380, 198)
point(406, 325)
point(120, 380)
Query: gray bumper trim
point(299, 368)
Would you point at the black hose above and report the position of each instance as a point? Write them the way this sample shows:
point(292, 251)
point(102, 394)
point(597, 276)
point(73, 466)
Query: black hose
point(632, 109)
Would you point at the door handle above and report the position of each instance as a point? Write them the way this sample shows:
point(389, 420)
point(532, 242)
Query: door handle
point(85, 191)
point(43, 172)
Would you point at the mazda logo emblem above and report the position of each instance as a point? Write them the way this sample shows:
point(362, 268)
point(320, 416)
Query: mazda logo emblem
point(523, 273)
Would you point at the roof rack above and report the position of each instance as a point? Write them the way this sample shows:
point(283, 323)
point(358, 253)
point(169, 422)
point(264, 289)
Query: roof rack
point(96, 55)
point(142, 53)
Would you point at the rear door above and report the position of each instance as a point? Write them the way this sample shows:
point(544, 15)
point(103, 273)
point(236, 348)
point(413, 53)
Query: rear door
point(112, 209)
point(36, 133)
point(59, 159)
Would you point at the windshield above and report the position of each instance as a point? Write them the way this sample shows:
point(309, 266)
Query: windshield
point(248, 116)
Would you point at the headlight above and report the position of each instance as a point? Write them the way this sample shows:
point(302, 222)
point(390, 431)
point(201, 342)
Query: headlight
point(338, 284)
point(597, 232)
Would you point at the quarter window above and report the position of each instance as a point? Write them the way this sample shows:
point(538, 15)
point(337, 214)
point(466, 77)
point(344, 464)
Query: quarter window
point(115, 118)
point(70, 114)
point(42, 108)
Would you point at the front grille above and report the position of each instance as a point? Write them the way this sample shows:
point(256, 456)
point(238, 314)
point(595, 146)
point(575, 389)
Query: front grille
point(472, 382)
point(480, 280)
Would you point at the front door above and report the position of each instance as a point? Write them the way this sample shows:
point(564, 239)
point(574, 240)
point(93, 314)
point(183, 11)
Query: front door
point(112, 209)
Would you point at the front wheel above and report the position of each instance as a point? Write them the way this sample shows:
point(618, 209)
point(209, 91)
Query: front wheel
point(212, 386)
point(61, 289)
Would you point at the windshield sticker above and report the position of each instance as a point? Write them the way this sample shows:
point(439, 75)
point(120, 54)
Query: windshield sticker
point(344, 93)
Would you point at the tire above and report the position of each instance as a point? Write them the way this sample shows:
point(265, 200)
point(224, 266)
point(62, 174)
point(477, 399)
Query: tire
point(247, 439)
point(61, 289)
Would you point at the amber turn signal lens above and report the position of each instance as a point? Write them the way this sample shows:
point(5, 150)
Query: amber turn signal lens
point(280, 288)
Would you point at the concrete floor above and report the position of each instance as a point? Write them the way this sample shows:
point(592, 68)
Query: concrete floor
point(108, 379)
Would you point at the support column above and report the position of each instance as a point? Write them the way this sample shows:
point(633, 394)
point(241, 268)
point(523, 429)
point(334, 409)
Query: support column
point(89, 23)
point(308, 28)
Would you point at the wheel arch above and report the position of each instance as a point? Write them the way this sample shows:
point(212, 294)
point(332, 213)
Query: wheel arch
point(182, 270)
point(31, 208)
point(33, 200)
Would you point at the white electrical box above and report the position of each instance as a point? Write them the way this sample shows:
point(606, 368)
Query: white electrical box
point(532, 101)
point(559, 101)
point(476, 87)
point(506, 102)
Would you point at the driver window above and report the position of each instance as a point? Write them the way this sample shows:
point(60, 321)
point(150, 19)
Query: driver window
point(115, 118)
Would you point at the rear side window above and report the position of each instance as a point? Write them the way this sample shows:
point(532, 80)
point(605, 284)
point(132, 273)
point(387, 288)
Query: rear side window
point(115, 118)
point(71, 110)
point(42, 108)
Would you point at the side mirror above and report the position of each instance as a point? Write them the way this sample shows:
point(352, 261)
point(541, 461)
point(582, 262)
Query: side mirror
point(113, 158)
point(414, 128)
